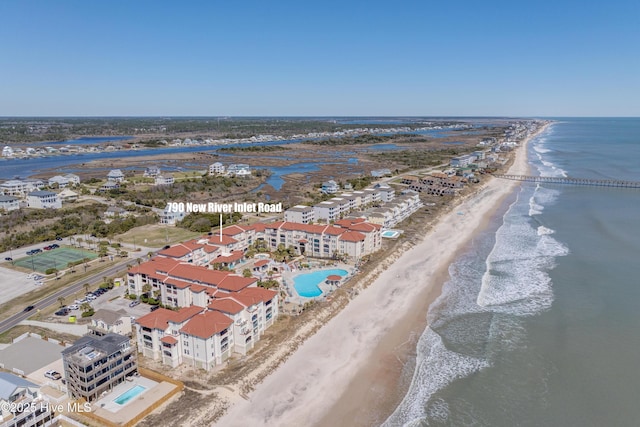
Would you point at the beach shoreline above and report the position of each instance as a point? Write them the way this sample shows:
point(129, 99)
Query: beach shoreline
point(331, 373)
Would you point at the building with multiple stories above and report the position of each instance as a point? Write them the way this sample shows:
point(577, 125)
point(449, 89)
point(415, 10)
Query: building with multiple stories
point(300, 214)
point(166, 179)
point(21, 404)
point(115, 175)
point(9, 203)
point(239, 169)
point(216, 168)
point(95, 364)
point(330, 187)
point(20, 188)
point(106, 321)
point(43, 200)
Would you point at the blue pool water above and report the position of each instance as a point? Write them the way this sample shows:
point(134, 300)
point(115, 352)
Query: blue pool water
point(307, 284)
point(391, 234)
point(129, 394)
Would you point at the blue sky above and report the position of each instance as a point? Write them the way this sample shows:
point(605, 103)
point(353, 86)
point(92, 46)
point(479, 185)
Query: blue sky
point(272, 58)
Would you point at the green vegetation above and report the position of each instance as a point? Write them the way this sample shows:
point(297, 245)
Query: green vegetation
point(417, 159)
point(204, 222)
point(350, 140)
point(25, 227)
point(206, 186)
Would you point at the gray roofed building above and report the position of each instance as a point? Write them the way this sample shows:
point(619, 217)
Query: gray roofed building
point(106, 321)
point(95, 364)
point(9, 383)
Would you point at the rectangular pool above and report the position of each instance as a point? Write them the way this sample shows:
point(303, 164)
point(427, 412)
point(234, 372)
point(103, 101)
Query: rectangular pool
point(129, 394)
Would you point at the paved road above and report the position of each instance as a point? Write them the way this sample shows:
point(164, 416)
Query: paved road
point(96, 278)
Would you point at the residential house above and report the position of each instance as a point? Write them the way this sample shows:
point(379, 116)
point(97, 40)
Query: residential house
point(9, 203)
point(21, 403)
point(330, 187)
point(20, 188)
point(43, 200)
point(386, 192)
point(216, 168)
point(378, 173)
point(170, 217)
point(115, 175)
point(68, 195)
point(106, 321)
point(239, 169)
point(151, 172)
point(166, 179)
point(115, 212)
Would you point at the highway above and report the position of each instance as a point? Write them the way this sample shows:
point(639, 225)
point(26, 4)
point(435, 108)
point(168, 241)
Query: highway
point(50, 300)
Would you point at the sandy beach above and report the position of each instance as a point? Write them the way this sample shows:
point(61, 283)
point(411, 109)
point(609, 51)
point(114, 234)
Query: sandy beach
point(349, 372)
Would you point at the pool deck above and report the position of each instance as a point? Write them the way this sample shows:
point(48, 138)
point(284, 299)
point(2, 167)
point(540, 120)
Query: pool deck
point(107, 409)
point(293, 297)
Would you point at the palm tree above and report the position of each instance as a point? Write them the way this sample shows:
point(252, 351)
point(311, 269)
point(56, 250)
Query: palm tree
point(61, 301)
point(85, 307)
point(86, 288)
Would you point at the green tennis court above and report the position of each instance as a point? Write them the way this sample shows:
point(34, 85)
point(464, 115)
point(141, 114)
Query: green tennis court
point(55, 258)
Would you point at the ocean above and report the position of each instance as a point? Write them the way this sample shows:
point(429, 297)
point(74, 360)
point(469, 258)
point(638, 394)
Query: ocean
point(539, 323)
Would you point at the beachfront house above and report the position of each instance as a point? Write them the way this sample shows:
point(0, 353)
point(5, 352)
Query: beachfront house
point(96, 364)
point(386, 192)
point(43, 200)
point(216, 168)
point(9, 203)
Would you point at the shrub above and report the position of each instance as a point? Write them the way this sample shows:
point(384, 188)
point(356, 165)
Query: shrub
point(50, 271)
point(88, 313)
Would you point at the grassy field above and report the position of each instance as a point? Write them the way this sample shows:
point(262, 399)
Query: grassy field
point(55, 258)
point(156, 235)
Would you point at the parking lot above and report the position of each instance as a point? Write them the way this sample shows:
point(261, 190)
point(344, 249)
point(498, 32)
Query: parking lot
point(111, 300)
point(14, 283)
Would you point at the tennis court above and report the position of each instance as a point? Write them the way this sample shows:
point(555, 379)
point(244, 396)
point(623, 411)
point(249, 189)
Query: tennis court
point(55, 258)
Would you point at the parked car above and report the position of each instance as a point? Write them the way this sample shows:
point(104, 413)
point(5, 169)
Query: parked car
point(74, 307)
point(91, 297)
point(59, 239)
point(154, 307)
point(36, 251)
point(134, 303)
point(54, 375)
point(29, 308)
point(55, 246)
point(8, 259)
point(47, 248)
point(62, 312)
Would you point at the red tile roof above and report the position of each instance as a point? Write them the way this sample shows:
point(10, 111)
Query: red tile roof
point(352, 236)
point(233, 256)
point(176, 251)
point(169, 340)
point(233, 230)
point(225, 241)
point(226, 305)
point(366, 227)
point(261, 262)
point(160, 318)
point(236, 283)
point(258, 227)
point(207, 324)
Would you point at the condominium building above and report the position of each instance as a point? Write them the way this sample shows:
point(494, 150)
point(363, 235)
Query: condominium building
point(300, 214)
point(216, 168)
point(95, 364)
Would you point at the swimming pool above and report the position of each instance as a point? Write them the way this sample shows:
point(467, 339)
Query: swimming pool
point(306, 285)
point(390, 234)
point(129, 394)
